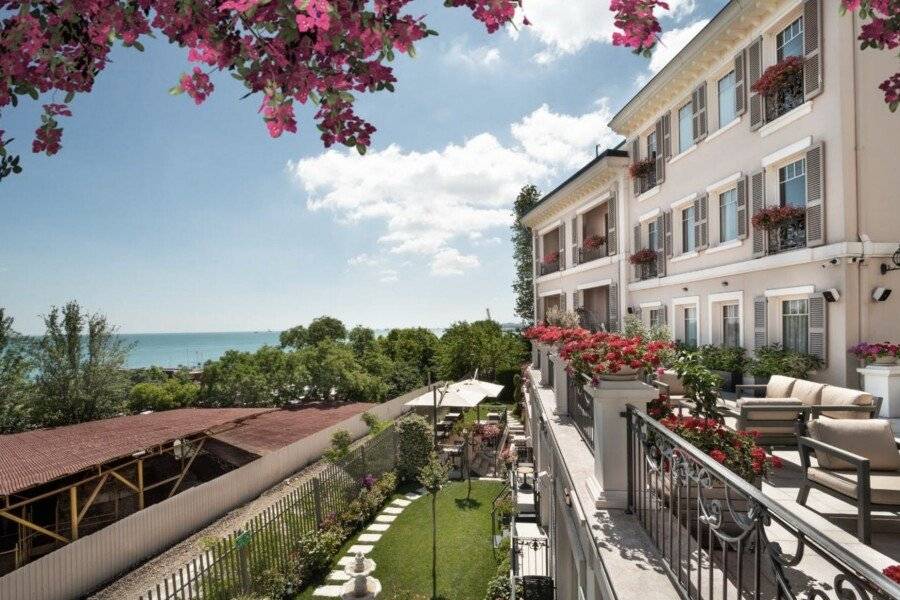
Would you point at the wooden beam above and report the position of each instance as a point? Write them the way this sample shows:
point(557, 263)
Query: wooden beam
point(186, 467)
point(30, 525)
point(91, 498)
point(124, 481)
point(156, 484)
point(140, 485)
point(73, 511)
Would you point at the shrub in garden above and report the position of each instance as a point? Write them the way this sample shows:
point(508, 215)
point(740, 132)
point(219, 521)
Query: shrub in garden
point(700, 384)
point(775, 360)
point(340, 446)
point(414, 441)
point(731, 359)
point(314, 552)
point(374, 424)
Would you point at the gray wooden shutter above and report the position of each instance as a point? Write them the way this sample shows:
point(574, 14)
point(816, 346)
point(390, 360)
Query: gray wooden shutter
point(612, 306)
point(818, 330)
point(757, 203)
point(663, 314)
point(740, 84)
point(660, 153)
point(815, 195)
point(667, 232)
point(702, 216)
point(535, 253)
point(698, 226)
point(698, 107)
point(667, 135)
point(638, 313)
point(660, 246)
point(812, 51)
point(563, 304)
point(562, 245)
point(742, 207)
point(540, 310)
point(635, 157)
point(637, 246)
point(573, 225)
point(612, 239)
point(754, 70)
point(760, 330)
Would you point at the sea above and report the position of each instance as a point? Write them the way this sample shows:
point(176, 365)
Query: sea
point(194, 349)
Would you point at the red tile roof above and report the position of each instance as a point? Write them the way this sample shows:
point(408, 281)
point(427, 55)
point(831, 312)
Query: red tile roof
point(275, 430)
point(35, 457)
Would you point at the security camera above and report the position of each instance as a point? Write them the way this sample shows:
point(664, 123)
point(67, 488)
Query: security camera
point(881, 294)
point(831, 295)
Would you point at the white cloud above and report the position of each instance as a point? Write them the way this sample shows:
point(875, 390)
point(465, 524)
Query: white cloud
point(450, 261)
point(478, 57)
point(364, 259)
point(388, 276)
point(431, 201)
point(567, 26)
point(671, 42)
point(679, 9)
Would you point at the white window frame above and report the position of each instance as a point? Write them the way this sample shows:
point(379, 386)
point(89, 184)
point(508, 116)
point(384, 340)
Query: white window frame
point(715, 303)
point(690, 141)
point(677, 326)
point(718, 219)
point(773, 309)
point(779, 316)
point(801, 33)
point(719, 98)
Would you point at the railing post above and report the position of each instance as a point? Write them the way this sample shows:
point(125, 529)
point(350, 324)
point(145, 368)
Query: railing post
point(242, 545)
point(629, 457)
point(317, 501)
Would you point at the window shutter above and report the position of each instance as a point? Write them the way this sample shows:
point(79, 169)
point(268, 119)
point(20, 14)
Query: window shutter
point(660, 153)
point(637, 246)
point(815, 195)
point(698, 225)
point(703, 220)
point(638, 313)
point(579, 299)
point(812, 42)
point(757, 203)
point(760, 334)
point(612, 306)
point(540, 310)
point(817, 330)
point(698, 107)
point(754, 70)
point(562, 301)
point(663, 314)
point(535, 253)
point(660, 246)
point(573, 224)
point(562, 245)
point(635, 157)
point(612, 239)
point(740, 83)
point(668, 232)
point(667, 135)
point(742, 207)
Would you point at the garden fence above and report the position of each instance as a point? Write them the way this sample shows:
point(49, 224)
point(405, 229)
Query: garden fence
point(233, 565)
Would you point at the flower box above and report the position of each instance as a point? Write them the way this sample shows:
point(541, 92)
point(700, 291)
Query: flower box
point(779, 76)
point(550, 258)
point(775, 217)
point(643, 257)
point(879, 353)
point(593, 242)
point(642, 168)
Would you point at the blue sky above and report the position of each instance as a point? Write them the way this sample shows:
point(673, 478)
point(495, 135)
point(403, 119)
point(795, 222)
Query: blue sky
point(166, 216)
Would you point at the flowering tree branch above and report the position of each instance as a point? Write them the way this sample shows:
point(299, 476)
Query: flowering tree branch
point(288, 51)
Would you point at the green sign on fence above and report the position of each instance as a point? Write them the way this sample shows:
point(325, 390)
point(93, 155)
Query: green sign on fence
point(242, 540)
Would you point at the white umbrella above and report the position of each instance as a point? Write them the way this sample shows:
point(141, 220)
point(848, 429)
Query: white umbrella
point(490, 390)
point(453, 398)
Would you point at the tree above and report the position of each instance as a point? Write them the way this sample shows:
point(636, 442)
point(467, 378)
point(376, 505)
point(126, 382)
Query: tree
point(416, 347)
point(79, 364)
point(362, 340)
point(15, 389)
point(481, 345)
point(433, 476)
point(414, 443)
point(335, 374)
point(268, 377)
point(639, 29)
point(295, 337)
point(320, 329)
point(321, 51)
point(170, 394)
point(523, 258)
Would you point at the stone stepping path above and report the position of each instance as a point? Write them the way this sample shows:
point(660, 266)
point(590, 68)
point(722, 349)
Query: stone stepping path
point(373, 533)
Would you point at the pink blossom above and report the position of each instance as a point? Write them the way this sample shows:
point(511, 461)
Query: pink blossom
point(197, 85)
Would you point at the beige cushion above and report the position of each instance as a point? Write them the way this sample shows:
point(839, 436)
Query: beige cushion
point(838, 396)
point(779, 386)
point(885, 485)
point(869, 438)
point(750, 413)
point(807, 392)
point(670, 378)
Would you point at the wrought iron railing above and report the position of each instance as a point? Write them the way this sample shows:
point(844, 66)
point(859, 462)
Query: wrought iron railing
point(581, 407)
point(554, 265)
point(531, 556)
point(648, 181)
point(789, 236)
point(586, 254)
point(647, 270)
point(712, 529)
point(592, 321)
point(788, 97)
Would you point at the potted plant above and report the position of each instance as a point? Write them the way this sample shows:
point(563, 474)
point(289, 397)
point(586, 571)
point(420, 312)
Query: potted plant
point(779, 76)
point(727, 362)
point(594, 241)
point(879, 353)
point(642, 168)
point(773, 217)
point(551, 258)
point(611, 356)
point(643, 257)
point(506, 508)
point(775, 360)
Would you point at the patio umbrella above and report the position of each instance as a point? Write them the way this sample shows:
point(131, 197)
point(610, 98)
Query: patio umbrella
point(453, 398)
point(490, 390)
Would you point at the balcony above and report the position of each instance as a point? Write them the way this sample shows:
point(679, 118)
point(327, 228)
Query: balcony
point(553, 262)
point(593, 321)
point(646, 271)
point(581, 408)
point(589, 253)
point(787, 237)
point(786, 98)
point(647, 181)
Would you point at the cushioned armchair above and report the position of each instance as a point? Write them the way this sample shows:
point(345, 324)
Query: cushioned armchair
point(858, 460)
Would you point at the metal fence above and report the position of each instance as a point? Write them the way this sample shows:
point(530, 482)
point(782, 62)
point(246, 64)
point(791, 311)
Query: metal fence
point(713, 529)
point(233, 565)
point(581, 407)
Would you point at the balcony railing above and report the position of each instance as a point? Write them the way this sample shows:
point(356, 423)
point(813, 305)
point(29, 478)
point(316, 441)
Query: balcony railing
point(530, 556)
point(589, 254)
point(648, 181)
point(581, 407)
point(788, 97)
point(711, 528)
point(554, 265)
point(787, 237)
point(646, 271)
point(592, 321)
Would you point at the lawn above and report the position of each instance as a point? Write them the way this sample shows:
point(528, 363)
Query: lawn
point(465, 558)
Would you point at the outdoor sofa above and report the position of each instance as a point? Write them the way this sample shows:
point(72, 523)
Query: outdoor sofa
point(856, 460)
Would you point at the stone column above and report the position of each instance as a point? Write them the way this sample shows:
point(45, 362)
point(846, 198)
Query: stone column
point(561, 385)
point(545, 363)
point(609, 487)
point(884, 381)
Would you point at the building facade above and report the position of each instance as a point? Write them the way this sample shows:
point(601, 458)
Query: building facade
point(710, 154)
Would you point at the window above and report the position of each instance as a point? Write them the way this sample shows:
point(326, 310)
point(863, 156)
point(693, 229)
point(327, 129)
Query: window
point(685, 127)
point(728, 226)
point(690, 326)
point(688, 241)
point(792, 184)
point(656, 317)
point(726, 100)
point(795, 324)
point(731, 325)
point(651, 235)
point(651, 145)
point(789, 41)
